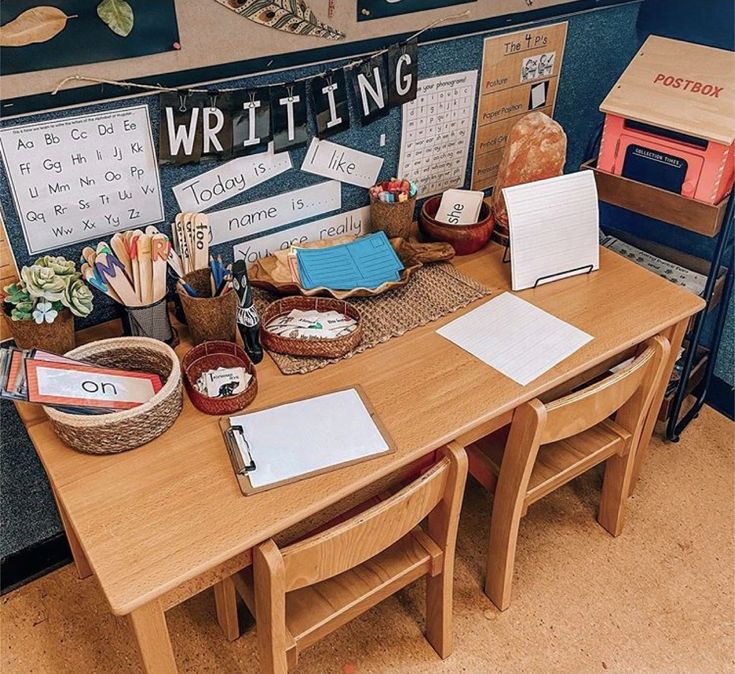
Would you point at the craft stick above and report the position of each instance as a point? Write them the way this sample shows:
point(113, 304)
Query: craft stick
point(113, 274)
point(189, 234)
point(145, 265)
point(92, 276)
point(120, 248)
point(88, 254)
point(201, 241)
point(135, 263)
point(159, 258)
point(152, 230)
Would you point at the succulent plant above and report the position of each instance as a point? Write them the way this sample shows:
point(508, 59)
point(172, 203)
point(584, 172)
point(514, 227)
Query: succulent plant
point(60, 265)
point(78, 297)
point(45, 288)
point(42, 282)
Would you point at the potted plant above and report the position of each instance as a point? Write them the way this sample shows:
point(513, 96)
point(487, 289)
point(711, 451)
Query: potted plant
point(41, 306)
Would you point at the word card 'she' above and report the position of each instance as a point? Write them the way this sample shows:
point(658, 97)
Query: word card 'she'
point(80, 178)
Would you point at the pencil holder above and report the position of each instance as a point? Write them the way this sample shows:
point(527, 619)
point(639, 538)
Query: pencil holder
point(395, 219)
point(151, 321)
point(209, 318)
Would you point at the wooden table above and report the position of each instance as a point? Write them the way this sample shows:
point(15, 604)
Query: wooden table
point(158, 524)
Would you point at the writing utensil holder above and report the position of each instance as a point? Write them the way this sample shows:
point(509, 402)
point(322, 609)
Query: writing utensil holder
point(151, 321)
point(395, 219)
point(209, 318)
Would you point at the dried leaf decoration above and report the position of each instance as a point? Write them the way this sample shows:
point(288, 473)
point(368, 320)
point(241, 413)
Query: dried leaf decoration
point(37, 24)
point(290, 16)
point(118, 15)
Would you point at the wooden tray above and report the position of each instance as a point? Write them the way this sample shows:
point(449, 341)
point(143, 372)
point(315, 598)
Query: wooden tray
point(273, 273)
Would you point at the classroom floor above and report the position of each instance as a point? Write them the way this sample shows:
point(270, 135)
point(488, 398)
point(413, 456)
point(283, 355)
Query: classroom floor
point(660, 598)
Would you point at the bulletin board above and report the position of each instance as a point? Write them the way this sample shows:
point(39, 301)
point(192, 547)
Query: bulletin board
point(581, 89)
point(215, 45)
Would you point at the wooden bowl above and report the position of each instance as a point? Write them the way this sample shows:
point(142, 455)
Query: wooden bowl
point(465, 239)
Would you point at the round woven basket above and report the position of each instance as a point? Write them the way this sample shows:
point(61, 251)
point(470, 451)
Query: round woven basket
point(127, 429)
point(210, 356)
point(317, 348)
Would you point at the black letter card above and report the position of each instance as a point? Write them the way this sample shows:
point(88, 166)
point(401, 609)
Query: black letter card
point(403, 73)
point(251, 120)
point(371, 91)
point(329, 93)
point(288, 115)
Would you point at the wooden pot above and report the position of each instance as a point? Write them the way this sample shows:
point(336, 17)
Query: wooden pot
point(56, 337)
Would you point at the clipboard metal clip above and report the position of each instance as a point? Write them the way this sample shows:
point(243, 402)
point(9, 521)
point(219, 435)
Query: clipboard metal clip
point(238, 448)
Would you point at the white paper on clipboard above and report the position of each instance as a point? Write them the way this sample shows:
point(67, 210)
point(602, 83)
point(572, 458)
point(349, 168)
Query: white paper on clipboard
point(310, 435)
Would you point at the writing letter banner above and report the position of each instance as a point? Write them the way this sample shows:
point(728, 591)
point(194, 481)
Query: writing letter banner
point(181, 137)
point(329, 93)
point(403, 73)
point(251, 120)
point(371, 91)
point(216, 123)
point(288, 115)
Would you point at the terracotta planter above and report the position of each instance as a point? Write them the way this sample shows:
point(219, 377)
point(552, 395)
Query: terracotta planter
point(56, 337)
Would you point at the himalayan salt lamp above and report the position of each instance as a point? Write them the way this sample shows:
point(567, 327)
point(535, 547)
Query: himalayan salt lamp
point(536, 149)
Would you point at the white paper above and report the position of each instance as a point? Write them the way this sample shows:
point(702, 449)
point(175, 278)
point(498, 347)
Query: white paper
point(79, 178)
point(436, 132)
point(554, 226)
point(301, 437)
point(355, 222)
point(234, 177)
point(342, 163)
point(282, 209)
point(515, 337)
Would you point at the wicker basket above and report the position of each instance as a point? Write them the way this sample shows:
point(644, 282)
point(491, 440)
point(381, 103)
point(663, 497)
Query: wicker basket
point(120, 431)
point(319, 348)
point(209, 356)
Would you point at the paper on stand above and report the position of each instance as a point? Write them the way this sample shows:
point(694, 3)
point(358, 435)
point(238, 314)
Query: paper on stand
point(554, 226)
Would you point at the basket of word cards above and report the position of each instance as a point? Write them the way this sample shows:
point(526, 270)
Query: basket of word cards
point(319, 327)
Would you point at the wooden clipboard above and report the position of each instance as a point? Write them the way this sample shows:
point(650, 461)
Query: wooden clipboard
point(240, 467)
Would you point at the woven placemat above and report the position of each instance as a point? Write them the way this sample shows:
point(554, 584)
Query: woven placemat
point(433, 291)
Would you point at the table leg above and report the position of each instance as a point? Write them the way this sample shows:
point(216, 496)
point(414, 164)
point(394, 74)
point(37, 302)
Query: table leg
point(80, 559)
point(675, 335)
point(149, 626)
point(225, 599)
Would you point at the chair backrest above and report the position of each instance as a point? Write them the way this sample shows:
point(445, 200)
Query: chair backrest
point(627, 392)
point(368, 533)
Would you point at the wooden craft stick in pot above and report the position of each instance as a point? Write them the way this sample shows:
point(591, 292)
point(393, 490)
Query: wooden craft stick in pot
point(135, 262)
point(146, 269)
point(112, 272)
point(120, 247)
point(92, 276)
point(201, 241)
point(159, 258)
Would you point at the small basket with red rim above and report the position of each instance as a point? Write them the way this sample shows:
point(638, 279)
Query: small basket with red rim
point(210, 356)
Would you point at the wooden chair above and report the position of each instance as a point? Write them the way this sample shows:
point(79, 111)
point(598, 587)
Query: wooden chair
point(549, 444)
point(304, 591)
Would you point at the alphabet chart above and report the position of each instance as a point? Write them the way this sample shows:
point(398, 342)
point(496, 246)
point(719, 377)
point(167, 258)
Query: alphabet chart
point(437, 128)
point(79, 178)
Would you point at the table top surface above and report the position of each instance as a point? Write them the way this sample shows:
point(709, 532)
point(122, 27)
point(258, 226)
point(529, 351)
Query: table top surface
point(155, 517)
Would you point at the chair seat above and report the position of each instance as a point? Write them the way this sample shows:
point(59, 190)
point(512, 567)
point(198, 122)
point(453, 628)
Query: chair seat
point(556, 463)
point(314, 611)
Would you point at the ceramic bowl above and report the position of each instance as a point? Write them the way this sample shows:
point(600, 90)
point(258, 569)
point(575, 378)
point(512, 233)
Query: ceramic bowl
point(465, 239)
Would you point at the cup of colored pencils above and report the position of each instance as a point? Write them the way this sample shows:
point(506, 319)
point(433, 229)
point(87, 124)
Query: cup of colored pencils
point(392, 204)
point(209, 302)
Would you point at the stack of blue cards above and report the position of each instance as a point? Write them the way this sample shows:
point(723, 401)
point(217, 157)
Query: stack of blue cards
point(367, 262)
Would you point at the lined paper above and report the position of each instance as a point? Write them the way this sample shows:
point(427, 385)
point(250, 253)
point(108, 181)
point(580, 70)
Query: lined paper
point(553, 228)
point(309, 435)
point(515, 337)
point(366, 262)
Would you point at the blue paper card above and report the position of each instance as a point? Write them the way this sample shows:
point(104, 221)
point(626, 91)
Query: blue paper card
point(366, 262)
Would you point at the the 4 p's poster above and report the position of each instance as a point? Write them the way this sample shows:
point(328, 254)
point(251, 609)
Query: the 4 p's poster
point(35, 36)
point(520, 73)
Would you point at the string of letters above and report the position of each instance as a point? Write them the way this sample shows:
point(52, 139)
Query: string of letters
point(221, 124)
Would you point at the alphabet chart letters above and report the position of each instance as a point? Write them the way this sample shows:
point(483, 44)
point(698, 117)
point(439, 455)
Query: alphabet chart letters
point(437, 128)
point(79, 178)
